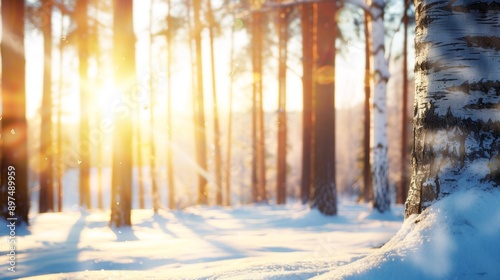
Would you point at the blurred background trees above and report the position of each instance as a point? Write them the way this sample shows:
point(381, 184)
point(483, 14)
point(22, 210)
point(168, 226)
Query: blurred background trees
point(230, 101)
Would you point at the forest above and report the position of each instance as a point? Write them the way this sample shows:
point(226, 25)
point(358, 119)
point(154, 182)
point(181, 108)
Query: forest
point(294, 139)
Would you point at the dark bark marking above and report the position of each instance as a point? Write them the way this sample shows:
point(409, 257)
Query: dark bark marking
point(484, 42)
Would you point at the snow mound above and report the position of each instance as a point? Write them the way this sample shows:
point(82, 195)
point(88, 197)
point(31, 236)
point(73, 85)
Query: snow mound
point(456, 238)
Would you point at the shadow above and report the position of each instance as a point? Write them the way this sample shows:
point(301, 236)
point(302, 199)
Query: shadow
point(162, 221)
point(202, 226)
point(124, 234)
point(47, 259)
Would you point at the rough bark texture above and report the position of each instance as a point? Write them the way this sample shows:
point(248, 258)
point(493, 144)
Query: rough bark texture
point(14, 129)
point(325, 189)
point(380, 75)
point(46, 198)
point(125, 81)
point(281, 153)
point(457, 103)
point(307, 101)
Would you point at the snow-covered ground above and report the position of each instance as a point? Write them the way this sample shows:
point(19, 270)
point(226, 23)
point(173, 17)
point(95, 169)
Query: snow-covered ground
point(457, 238)
point(200, 242)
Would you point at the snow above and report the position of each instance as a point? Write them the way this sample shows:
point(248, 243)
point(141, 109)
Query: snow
point(455, 238)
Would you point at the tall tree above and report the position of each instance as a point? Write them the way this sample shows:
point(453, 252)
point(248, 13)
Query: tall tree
point(124, 77)
point(170, 165)
point(403, 186)
point(258, 140)
point(60, 164)
point(325, 188)
point(230, 116)
point(14, 183)
point(46, 197)
point(200, 131)
point(282, 56)
point(380, 76)
point(95, 52)
point(367, 186)
point(307, 101)
point(456, 122)
point(152, 151)
point(81, 11)
point(217, 138)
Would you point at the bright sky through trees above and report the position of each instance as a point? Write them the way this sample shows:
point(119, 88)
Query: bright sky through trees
point(349, 67)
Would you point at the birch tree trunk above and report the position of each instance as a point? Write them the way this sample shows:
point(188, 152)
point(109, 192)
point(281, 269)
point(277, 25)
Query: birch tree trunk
point(380, 76)
point(457, 102)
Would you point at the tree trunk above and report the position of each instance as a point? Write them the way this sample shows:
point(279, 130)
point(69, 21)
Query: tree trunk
point(85, 145)
point(46, 198)
point(124, 76)
point(325, 190)
point(60, 163)
point(152, 155)
point(403, 186)
point(14, 129)
point(230, 119)
point(282, 49)
point(217, 149)
point(200, 133)
point(380, 76)
point(307, 101)
point(170, 166)
point(258, 140)
point(367, 186)
point(261, 144)
point(456, 122)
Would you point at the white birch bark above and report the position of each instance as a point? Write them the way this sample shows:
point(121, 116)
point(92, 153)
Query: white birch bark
point(380, 75)
point(457, 101)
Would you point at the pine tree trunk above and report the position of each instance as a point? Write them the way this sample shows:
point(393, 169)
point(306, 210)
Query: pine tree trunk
point(14, 129)
point(85, 145)
point(124, 62)
point(307, 101)
point(155, 196)
point(60, 164)
point(217, 149)
point(170, 166)
point(46, 198)
point(282, 49)
point(456, 122)
point(380, 76)
point(200, 132)
point(258, 156)
point(261, 137)
point(403, 186)
point(325, 189)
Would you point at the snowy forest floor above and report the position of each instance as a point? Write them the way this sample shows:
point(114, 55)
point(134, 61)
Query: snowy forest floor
point(289, 241)
point(456, 238)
